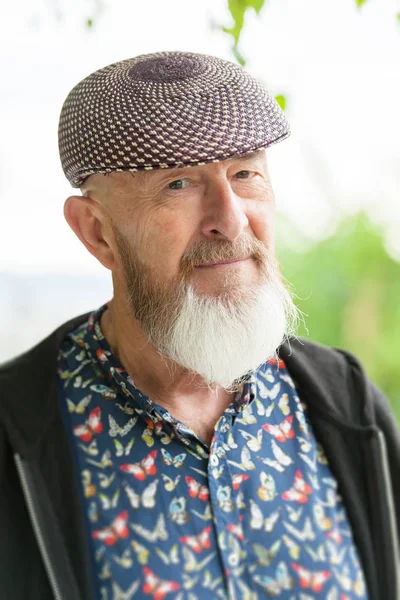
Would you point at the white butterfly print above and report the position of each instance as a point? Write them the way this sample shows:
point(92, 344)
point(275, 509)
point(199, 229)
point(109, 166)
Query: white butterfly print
point(126, 408)
point(92, 449)
point(262, 389)
point(104, 462)
point(175, 461)
point(81, 406)
point(283, 404)
point(206, 515)
point(294, 549)
point(247, 417)
point(188, 584)
point(311, 463)
point(191, 564)
point(108, 502)
point(305, 445)
point(147, 498)
point(336, 556)
point(105, 572)
point(314, 481)
point(159, 532)
point(170, 558)
point(93, 513)
point(258, 521)
point(260, 407)
point(240, 503)
point(305, 534)
point(253, 442)
point(105, 481)
point(246, 463)
point(142, 554)
point(344, 578)
point(125, 560)
point(273, 393)
point(169, 483)
point(209, 583)
point(119, 594)
point(122, 450)
point(123, 430)
point(303, 424)
point(269, 410)
point(294, 514)
point(274, 587)
point(267, 490)
point(318, 555)
point(330, 498)
point(282, 461)
point(230, 443)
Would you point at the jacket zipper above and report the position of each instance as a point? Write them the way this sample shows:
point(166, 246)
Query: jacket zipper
point(35, 520)
point(391, 511)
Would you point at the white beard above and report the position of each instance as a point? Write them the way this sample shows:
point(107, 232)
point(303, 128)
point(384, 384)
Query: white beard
point(223, 339)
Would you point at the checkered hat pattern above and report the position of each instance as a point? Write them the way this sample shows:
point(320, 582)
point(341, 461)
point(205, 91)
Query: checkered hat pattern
point(165, 110)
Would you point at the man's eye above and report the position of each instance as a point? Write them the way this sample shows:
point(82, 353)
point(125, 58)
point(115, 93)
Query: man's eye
point(244, 175)
point(178, 184)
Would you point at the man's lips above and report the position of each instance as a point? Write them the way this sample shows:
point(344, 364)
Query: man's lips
point(224, 262)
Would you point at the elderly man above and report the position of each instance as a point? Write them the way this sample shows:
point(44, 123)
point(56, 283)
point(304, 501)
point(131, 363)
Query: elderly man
point(180, 441)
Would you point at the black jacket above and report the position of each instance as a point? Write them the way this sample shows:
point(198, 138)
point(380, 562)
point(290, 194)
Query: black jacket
point(43, 546)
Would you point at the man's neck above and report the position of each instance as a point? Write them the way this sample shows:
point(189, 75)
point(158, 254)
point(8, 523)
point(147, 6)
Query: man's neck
point(184, 395)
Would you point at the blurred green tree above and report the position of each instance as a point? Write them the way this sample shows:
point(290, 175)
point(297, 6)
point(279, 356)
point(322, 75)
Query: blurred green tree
point(349, 288)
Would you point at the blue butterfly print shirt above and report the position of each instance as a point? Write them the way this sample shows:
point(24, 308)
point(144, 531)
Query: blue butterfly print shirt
point(257, 514)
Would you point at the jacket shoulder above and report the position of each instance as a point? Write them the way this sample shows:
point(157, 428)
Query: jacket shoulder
point(28, 386)
point(334, 381)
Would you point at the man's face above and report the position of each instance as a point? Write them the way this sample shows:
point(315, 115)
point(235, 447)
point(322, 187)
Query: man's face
point(169, 227)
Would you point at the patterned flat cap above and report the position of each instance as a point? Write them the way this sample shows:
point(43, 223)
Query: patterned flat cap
point(165, 110)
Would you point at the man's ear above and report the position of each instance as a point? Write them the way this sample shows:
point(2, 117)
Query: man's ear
point(86, 218)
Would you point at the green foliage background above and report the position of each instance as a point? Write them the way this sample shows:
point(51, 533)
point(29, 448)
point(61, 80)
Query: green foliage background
point(349, 289)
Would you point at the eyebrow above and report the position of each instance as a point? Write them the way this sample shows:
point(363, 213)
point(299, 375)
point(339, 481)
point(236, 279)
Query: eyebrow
point(163, 174)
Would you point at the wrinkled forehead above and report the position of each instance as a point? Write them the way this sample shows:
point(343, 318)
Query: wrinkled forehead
point(121, 183)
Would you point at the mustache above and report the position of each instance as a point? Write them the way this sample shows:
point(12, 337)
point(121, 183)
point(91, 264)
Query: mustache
point(208, 251)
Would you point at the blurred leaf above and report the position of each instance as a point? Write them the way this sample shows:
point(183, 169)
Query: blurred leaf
point(281, 100)
point(360, 3)
point(238, 8)
point(89, 23)
point(398, 17)
point(238, 56)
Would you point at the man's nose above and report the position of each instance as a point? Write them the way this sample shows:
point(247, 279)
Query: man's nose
point(225, 212)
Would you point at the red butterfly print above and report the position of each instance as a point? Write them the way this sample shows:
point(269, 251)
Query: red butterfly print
point(300, 490)
point(198, 542)
point(311, 580)
point(280, 363)
point(145, 467)
point(93, 425)
point(101, 355)
point(335, 535)
point(118, 529)
point(281, 432)
point(196, 489)
point(237, 479)
point(236, 529)
point(155, 586)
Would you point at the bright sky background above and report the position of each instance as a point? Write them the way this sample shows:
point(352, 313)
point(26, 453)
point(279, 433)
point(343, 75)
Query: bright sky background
point(339, 68)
